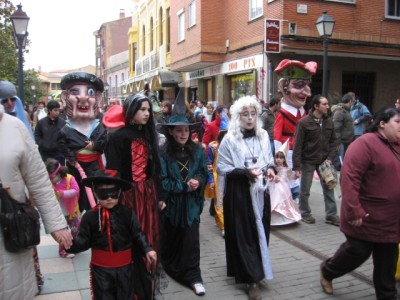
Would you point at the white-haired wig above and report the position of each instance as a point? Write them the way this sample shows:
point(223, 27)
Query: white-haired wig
point(237, 108)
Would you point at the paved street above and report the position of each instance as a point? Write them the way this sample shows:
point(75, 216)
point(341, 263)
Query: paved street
point(296, 252)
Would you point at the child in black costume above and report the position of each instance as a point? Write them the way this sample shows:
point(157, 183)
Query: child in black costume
point(113, 232)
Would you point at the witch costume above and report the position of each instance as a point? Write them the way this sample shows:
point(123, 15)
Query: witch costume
point(180, 253)
point(113, 235)
point(133, 151)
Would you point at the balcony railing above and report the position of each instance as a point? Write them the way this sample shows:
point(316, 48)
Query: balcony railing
point(151, 62)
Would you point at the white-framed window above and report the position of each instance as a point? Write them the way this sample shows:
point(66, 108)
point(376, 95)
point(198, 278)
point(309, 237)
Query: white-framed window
point(255, 9)
point(392, 9)
point(181, 25)
point(344, 1)
point(192, 13)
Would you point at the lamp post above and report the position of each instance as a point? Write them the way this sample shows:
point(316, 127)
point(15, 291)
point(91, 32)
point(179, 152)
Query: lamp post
point(20, 21)
point(325, 26)
point(33, 87)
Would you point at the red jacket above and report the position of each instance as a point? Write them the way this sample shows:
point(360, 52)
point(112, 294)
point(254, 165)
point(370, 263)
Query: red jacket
point(211, 132)
point(370, 180)
point(285, 126)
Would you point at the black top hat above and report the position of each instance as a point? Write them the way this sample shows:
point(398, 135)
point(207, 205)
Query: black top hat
point(106, 176)
point(82, 77)
point(178, 116)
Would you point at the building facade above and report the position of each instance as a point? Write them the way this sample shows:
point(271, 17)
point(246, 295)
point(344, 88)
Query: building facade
point(219, 47)
point(112, 55)
point(149, 50)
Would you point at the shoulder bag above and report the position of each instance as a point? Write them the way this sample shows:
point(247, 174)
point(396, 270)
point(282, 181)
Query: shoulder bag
point(19, 222)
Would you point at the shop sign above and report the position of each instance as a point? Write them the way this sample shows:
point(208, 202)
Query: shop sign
point(272, 36)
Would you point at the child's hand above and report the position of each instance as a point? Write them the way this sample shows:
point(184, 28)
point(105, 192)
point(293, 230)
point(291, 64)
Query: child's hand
point(151, 256)
point(193, 184)
point(89, 145)
point(161, 205)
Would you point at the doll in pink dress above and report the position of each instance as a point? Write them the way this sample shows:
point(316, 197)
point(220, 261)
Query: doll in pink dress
point(283, 209)
point(67, 191)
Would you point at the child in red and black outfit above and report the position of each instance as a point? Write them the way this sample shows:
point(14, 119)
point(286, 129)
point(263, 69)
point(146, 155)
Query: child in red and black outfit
point(111, 230)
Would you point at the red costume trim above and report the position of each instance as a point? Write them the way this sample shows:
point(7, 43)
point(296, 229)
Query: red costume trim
point(109, 259)
point(140, 157)
point(90, 158)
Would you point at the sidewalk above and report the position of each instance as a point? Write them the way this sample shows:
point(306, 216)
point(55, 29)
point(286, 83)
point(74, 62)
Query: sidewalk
point(296, 252)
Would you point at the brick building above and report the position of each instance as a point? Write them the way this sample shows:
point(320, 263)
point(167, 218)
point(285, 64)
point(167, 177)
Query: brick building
point(112, 54)
point(219, 45)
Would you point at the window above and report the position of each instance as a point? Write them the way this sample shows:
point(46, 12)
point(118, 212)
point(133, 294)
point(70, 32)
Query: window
point(160, 21)
point(168, 31)
point(151, 34)
point(393, 9)
point(134, 55)
point(144, 42)
point(122, 77)
point(256, 9)
point(181, 25)
point(192, 14)
point(345, 1)
point(116, 85)
point(55, 86)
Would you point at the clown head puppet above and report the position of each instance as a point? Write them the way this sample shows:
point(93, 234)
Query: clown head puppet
point(295, 80)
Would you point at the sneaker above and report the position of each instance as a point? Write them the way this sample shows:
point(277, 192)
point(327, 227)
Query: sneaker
point(325, 283)
point(65, 254)
point(254, 292)
point(333, 220)
point(309, 219)
point(198, 289)
point(223, 233)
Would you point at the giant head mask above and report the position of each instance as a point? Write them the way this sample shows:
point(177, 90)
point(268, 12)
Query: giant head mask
point(295, 80)
point(82, 94)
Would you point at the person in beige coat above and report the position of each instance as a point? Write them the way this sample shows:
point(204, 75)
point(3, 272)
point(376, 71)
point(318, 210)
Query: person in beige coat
point(23, 172)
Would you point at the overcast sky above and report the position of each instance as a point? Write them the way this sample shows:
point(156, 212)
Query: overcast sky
point(61, 31)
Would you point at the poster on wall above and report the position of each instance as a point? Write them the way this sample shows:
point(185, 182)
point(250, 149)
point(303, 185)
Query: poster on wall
point(272, 38)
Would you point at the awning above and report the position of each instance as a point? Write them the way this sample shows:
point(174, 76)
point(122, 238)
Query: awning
point(169, 79)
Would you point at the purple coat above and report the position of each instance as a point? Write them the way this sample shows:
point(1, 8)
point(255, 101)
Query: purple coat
point(370, 183)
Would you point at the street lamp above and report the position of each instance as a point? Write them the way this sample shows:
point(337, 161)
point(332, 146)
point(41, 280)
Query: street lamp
point(325, 26)
point(20, 21)
point(33, 87)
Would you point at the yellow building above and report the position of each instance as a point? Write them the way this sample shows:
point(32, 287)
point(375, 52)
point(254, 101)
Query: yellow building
point(149, 50)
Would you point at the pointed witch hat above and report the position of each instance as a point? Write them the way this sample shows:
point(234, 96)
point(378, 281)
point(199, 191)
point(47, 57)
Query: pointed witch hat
point(284, 149)
point(178, 116)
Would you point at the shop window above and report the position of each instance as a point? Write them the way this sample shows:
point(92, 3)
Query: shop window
point(242, 85)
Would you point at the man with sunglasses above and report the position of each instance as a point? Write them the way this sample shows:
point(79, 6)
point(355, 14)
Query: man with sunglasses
point(113, 232)
point(12, 104)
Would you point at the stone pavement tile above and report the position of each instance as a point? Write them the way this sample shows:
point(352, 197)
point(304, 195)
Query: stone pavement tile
point(83, 278)
point(59, 282)
point(74, 295)
point(47, 240)
point(56, 265)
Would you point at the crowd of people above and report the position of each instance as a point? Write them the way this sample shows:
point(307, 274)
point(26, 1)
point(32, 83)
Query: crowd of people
point(131, 183)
